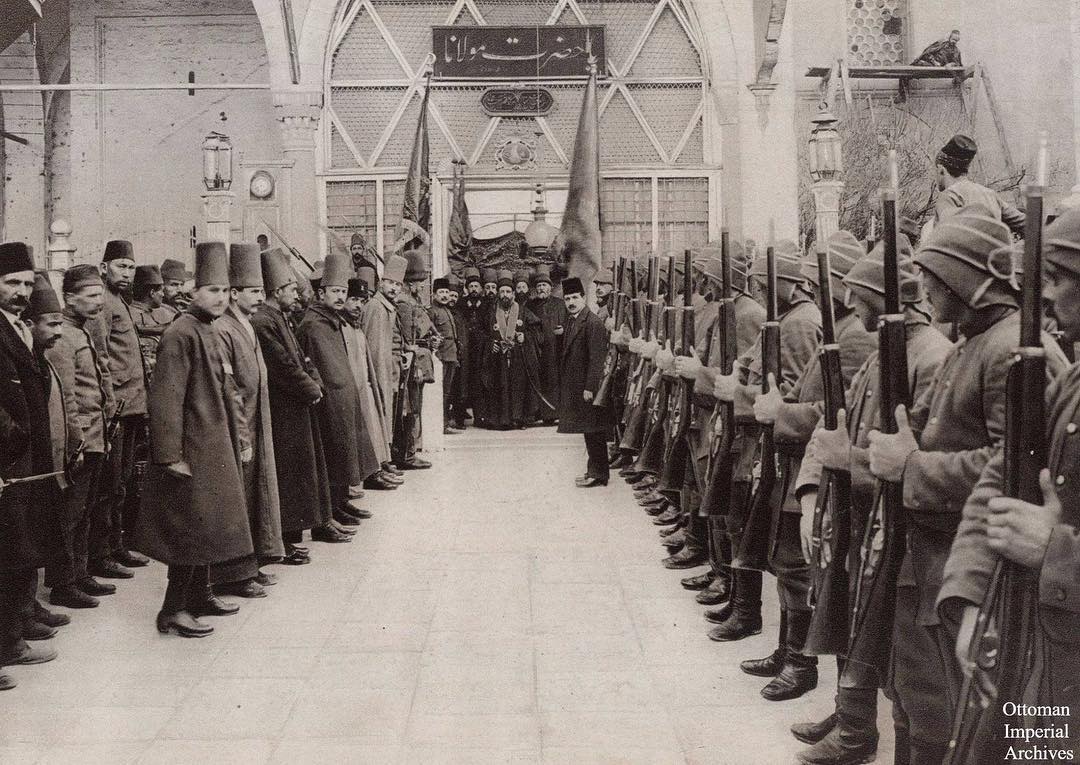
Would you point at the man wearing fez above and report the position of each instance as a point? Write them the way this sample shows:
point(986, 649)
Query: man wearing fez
point(513, 340)
point(294, 388)
point(459, 397)
point(374, 441)
point(445, 322)
point(322, 339)
point(473, 311)
point(418, 338)
point(194, 512)
point(581, 366)
point(245, 366)
point(173, 276)
point(490, 280)
point(76, 357)
point(553, 317)
point(522, 286)
point(938, 453)
point(956, 189)
point(25, 450)
point(116, 338)
point(361, 254)
point(45, 320)
point(146, 311)
point(380, 325)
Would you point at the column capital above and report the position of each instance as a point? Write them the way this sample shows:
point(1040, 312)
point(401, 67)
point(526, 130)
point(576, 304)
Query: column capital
point(298, 113)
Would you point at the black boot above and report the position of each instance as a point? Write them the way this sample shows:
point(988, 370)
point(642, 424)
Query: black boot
point(812, 732)
point(720, 615)
point(745, 618)
point(688, 557)
point(853, 736)
point(799, 673)
point(835, 750)
point(698, 581)
point(206, 603)
point(717, 592)
point(771, 665)
point(669, 517)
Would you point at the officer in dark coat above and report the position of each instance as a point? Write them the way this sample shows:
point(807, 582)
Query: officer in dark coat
point(553, 317)
point(581, 368)
point(25, 450)
point(473, 309)
point(193, 511)
point(295, 388)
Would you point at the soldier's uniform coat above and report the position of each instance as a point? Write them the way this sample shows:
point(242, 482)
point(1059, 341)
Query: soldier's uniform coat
point(203, 519)
point(379, 322)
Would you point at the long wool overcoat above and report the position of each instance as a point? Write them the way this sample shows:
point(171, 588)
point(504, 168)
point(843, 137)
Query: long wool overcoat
point(372, 442)
point(193, 418)
point(584, 348)
point(249, 371)
point(294, 386)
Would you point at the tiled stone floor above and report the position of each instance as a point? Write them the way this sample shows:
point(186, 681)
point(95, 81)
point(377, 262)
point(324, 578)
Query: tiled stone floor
point(489, 613)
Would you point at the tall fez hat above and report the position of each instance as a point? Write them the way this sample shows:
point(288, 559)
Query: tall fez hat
point(1061, 241)
point(358, 288)
point(521, 275)
point(788, 262)
point(16, 257)
point(174, 271)
point(971, 252)
point(572, 285)
point(337, 270)
point(472, 274)
point(118, 249)
point(844, 252)
point(869, 272)
point(442, 283)
point(490, 276)
point(43, 299)
point(504, 278)
point(147, 276)
point(416, 269)
point(368, 275)
point(211, 264)
point(452, 282)
point(957, 154)
point(275, 269)
point(542, 275)
point(245, 265)
point(357, 239)
point(395, 268)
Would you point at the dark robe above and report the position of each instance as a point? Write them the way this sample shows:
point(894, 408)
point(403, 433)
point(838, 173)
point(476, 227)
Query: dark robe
point(294, 385)
point(474, 312)
point(552, 314)
point(201, 519)
point(322, 340)
point(508, 398)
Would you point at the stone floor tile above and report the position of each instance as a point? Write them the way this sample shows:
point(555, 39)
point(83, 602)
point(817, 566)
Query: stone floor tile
point(175, 752)
point(233, 708)
point(498, 731)
point(101, 753)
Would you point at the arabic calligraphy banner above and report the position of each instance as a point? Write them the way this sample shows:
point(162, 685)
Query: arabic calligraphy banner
point(545, 52)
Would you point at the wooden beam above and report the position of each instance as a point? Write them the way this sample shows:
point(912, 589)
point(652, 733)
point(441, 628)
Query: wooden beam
point(899, 72)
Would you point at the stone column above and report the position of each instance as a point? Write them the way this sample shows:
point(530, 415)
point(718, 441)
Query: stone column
point(217, 211)
point(298, 114)
point(61, 253)
point(827, 208)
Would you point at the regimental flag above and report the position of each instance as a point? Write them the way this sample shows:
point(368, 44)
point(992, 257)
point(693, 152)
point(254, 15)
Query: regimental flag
point(416, 209)
point(578, 244)
point(459, 235)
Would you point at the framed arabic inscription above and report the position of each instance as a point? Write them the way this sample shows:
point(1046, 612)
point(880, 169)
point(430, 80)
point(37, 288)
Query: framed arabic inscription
point(517, 53)
point(517, 102)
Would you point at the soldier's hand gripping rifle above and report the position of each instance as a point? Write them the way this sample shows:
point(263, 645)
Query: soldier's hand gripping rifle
point(603, 392)
point(1001, 650)
point(753, 552)
point(680, 412)
point(830, 537)
point(882, 547)
point(652, 451)
point(638, 395)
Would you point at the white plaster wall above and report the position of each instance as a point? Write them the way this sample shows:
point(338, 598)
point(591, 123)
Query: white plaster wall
point(24, 185)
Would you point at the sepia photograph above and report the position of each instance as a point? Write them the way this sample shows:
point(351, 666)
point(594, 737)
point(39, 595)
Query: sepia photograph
point(539, 382)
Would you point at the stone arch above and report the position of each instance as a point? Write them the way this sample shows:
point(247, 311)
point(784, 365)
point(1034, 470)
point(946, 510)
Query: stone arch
point(275, 38)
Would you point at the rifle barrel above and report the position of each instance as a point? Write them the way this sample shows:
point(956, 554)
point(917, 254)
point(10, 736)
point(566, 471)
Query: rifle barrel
point(771, 310)
point(725, 264)
point(828, 320)
point(688, 277)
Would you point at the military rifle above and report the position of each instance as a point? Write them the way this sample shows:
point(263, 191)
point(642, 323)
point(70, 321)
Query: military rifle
point(682, 397)
point(1001, 649)
point(611, 361)
point(873, 605)
point(636, 392)
point(832, 514)
point(753, 552)
point(650, 460)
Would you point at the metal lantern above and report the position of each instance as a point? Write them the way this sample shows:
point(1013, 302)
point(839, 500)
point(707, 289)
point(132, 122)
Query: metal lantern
point(826, 157)
point(217, 162)
point(539, 234)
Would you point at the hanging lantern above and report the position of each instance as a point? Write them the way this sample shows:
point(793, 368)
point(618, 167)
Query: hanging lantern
point(217, 162)
point(826, 157)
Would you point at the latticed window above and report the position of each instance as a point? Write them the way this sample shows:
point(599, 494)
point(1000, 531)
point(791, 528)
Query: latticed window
point(876, 32)
point(626, 208)
point(684, 213)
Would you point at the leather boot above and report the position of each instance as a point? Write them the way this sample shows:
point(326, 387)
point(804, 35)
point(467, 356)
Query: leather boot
point(668, 517)
point(690, 556)
point(835, 750)
point(718, 591)
point(657, 508)
point(720, 615)
point(799, 673)
point(771, 665)
point(183, 623)
point(667, 531)
point(745, 616)
point(206, 603)
point(675, 541)
point(698, 581)
point(812, 732)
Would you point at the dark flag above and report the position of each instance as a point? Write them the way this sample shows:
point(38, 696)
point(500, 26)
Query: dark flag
point(416, 209)
point(577, 247)
point(459, 236)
